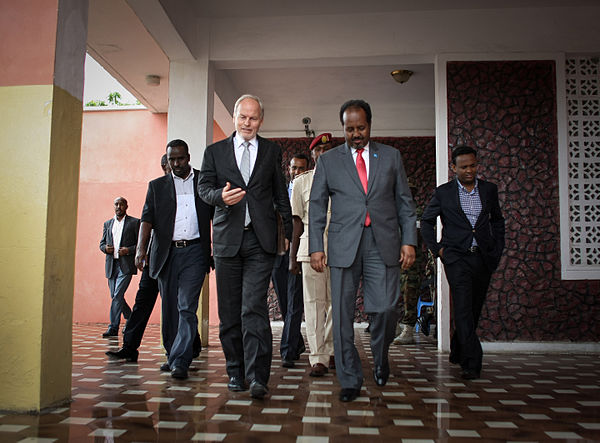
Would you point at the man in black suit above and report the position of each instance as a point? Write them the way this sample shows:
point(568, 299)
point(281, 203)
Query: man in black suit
point(179, 254)
point(241, 176)
point(470, 249)
point(119, 237)
point(145, 299)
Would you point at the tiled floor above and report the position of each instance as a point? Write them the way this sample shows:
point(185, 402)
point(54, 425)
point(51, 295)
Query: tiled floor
point(520, 398)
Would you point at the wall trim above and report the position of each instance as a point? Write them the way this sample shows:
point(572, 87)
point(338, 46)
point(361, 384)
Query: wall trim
point(542, 347)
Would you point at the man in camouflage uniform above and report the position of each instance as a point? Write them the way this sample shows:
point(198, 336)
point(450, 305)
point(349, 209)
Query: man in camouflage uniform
point(410, 285)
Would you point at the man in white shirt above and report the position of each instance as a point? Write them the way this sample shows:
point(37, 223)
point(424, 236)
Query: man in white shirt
point(119, 238)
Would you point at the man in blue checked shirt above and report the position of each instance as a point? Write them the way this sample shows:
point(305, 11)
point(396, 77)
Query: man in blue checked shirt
point(470, 249)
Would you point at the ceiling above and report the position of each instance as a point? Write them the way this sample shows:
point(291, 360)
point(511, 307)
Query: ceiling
point(131, 39)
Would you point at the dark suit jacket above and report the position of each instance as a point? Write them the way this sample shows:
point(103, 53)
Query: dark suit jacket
point(457, 233)
point(388, 200)
point(160, 210)
point(265, 192)
point(131, 228)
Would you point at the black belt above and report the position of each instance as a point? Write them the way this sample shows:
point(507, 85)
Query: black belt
point(185, 243)
point(473, 250)
point(248, 227)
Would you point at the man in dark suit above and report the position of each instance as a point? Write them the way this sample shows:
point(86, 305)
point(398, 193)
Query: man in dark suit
point(119, 238)
point(470, 249)
point(179, 255)
point(145, 299)
point(372, 234)
point(241, 176)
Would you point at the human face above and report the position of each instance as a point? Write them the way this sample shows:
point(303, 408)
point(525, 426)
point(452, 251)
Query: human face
point(120, 207)
point(320, 149)
point(247, 119)
point(466, 169)
point(356, 129)
point(297, 167)
point(165, 167)
point(179, 161)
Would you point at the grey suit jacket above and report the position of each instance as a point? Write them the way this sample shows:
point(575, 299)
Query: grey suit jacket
point(388, 200)
point(265, 192)
point(129, 237)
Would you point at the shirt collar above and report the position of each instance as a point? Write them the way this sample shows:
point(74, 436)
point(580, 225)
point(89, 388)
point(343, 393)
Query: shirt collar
point(460, 186)
point(190, 175)
point(120, 221)
point(366, 148)
point(238, 140)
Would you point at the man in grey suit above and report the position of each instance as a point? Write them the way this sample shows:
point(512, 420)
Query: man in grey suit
point(119, 237)
point(241, 176)
point(372, 233)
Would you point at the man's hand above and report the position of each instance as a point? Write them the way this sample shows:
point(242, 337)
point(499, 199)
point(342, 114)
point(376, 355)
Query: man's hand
point(123, 251)
point(317, 261)
point(232, 196)
point(295, 267)
point(407, 256)
point(140, 260)
point(109, 249)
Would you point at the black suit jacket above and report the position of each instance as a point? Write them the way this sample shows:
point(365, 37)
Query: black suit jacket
point(129, 237)
point(265, 192)
point(457, 233)
point(160, 210)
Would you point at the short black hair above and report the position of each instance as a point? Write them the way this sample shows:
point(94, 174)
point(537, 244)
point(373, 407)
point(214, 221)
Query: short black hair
point(164, 159)
point(462, 150)
point(176, 143)
point(301, 156)
point(356, 103)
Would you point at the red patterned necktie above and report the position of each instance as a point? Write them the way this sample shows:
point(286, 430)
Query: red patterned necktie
point(362, 174)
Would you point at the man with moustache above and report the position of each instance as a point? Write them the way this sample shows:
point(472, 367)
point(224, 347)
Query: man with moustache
point(179, 255)
point(241, 176)
point(119, 237)
point(315, 285)
point(470, 249)
point(372, 233)
point(288, 287)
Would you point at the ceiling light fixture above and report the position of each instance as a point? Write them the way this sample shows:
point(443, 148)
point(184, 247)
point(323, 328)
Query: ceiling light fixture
point(401, 75)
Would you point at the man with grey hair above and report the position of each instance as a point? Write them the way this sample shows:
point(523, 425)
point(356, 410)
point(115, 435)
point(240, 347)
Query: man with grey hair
point(242, 178)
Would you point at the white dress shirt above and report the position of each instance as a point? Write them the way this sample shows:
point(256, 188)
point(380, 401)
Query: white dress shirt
point(365, 156)
point(117, 232)
point(186, 220)
point(238, 145)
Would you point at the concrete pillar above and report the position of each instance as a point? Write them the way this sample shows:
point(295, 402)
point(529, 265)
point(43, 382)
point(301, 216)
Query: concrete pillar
point(191, 116)
point(41, 89)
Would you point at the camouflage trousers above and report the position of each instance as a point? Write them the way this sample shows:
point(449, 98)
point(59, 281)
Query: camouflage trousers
point(410, 283)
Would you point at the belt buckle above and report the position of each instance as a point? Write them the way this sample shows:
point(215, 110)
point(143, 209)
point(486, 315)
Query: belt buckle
point(473, 249)
point(180, 244)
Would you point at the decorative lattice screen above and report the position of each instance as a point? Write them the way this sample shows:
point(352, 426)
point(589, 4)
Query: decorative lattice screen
point(583, 104)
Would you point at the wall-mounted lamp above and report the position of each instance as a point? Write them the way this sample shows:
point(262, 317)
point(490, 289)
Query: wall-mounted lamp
point(153, 80)
point(309, 132)
point(401, 75)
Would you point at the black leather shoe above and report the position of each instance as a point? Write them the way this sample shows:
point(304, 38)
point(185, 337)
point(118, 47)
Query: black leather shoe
point(258, 390)
point(469, 374)
point(123, 354)
point(288, 363)
point(381, 374)
point(349, 394)
point(165, 367)
point(179, 373)
point(453, 359)
point(237, 384)
point(110, 333)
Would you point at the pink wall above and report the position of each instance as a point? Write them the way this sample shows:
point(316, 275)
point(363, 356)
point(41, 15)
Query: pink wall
point(120, 153)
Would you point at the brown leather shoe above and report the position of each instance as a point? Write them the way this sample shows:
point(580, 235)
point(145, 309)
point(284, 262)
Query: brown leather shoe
point(332, 362)
point(318, 370)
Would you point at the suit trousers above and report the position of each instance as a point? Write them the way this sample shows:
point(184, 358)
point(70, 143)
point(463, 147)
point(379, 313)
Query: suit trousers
point(288, 288)
point(244, 329)
point(468, 278)
point(317, 314)
point(145, 299)
point(381, 289)
point(180, 283)
point(118, 284)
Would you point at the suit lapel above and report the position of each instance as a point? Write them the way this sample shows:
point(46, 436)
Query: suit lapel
point(229, 154)
point(109, 240)
point(457, 202)
point(373, 165)
point(483, 198)
point(350, 166)
point(260, 157)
